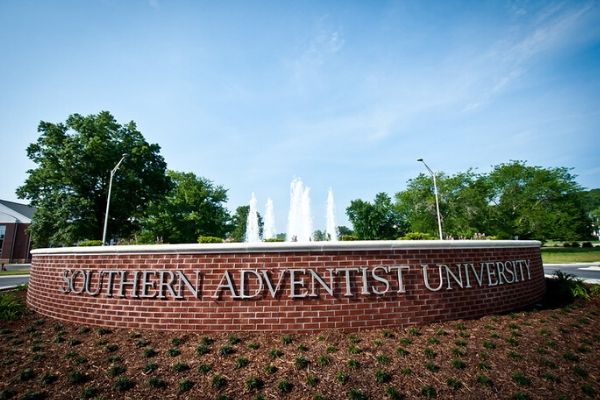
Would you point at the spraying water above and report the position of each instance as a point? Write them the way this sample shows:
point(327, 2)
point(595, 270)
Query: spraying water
point(252, 233)
point(299, 218)
point(269, 228)
point(330, 227)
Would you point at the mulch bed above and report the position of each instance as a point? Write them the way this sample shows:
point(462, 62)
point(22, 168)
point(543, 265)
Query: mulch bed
point(537, 354)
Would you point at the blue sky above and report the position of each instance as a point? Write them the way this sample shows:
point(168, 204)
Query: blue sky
point(343, 94)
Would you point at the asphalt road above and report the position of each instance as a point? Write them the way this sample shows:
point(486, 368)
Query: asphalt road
point(8, 281)
point(590, 272)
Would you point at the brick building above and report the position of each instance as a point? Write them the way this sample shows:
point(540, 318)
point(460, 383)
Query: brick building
point(15, 243)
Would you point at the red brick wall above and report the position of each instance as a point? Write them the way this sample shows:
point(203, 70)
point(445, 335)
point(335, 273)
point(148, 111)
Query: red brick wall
point(20, 248)
point(416, 306)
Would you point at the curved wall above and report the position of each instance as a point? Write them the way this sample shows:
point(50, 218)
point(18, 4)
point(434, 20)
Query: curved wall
point(287, 287)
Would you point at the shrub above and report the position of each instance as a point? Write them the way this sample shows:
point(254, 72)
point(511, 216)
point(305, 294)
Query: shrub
point(184, 385)
point(241, 362)
point(218, 382)
point(428, 391)
point(254, 383)
point(204, 369)
point(348, 238)
point(150, 367)
point(301, 362)
point(26, 374)
point(233, 339)
point(284, 386)
point(86, 243)
point(417, 236)
point(156, 382)
point(587, 245)
point(356, 394)
point(116, 370)
point(564, 289)
point(382, 377)
point(76, 377)
point(209, 239)
point(181, 367)
point(10, 307)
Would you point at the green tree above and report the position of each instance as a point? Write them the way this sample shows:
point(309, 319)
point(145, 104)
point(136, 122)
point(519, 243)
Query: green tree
point(194, 206)
point(463, 204)
point(239, 222)
point(69, 184)
point(375, 221)
point(532, 202)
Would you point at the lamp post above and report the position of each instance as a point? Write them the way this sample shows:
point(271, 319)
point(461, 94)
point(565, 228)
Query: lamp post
point(437, 204)
point(112, 173)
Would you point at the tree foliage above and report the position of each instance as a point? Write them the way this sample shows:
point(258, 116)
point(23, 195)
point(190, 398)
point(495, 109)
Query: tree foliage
point(239, 221)
point(375, 221)
point(536, 203)
point(462, 199)
point(513, 200)
point(69, 184)
point(193, 207)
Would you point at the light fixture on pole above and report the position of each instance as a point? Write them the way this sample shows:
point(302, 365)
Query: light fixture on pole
point(112, 174)
point(437, 204)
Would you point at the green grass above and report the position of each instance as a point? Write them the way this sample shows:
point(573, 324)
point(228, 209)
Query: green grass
point(552, 255)
point(15, 272)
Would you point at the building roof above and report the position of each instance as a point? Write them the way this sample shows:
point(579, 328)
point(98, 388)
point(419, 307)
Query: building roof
point(15, 212)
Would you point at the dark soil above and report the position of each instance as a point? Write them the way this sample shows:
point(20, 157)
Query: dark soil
point(537, 354)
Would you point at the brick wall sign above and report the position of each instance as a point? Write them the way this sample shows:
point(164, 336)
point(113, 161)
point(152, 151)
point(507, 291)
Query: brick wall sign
point(286, 287)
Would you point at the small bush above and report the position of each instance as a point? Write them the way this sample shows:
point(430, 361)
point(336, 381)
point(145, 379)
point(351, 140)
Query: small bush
point(254, 383)
point(454, 384)
point(77, 378)
point(204, 369)
point(417, 236)
point(87, 243)
point(149, 367)
point(10, 307)
point(184, 385)
point(382, 376)
point(48, 379)
point(356, 394)
point(301, 362)
point(284, 386)
point(218, 382)
point(156, 382)
point(116, 370)
point(149, 352)
point(241, 362)
point(342, 377)
point(181, 367)
point(173, 352)
point(89, 392)
point(209, 239)
point(202, 349)
point(312, 380)
point(428, 391)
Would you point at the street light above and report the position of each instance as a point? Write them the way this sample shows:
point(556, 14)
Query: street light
point(112, 173)
point(437, 204)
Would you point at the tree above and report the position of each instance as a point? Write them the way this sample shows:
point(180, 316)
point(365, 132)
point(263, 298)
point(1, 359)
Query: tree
point(69, 184)
point(239, 222)
point(536, 203)
point(463, 204)
point(376, 221)
point(194, 206)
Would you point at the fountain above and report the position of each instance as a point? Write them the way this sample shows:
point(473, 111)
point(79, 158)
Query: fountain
point(299, 217)
point(252, 229)
point(269, 228)
point(330, 231)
